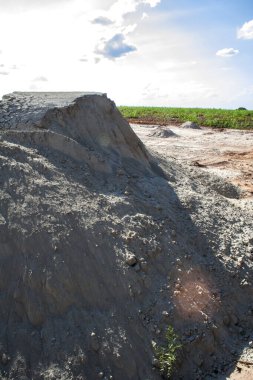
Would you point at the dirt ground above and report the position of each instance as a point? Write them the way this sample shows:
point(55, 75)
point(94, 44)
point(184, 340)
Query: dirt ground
point(242, 372)
point(106, 242)
point(227, 153)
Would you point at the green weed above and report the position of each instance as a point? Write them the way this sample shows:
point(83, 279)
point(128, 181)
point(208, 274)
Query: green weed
point(167, 354)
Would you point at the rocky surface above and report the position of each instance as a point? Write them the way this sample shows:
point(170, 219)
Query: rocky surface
point(104, 244)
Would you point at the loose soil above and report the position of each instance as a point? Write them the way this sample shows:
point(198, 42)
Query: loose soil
point(227, 153)
point(106, 239)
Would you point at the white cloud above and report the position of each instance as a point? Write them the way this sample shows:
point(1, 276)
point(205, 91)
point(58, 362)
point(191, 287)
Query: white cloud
point(121, 8)
point(101, 20)
point(152, 3)
point(227, 52)
point(123, 17)
point(246, 31)
point(115, 47)
point(144, 16)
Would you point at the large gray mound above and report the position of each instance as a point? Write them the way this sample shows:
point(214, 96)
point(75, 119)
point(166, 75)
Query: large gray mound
point(98, 255)
point(81, 125)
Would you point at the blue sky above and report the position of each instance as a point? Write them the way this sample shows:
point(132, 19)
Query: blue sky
point(185, 53)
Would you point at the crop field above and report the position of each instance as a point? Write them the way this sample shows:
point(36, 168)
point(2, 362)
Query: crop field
point(216, 118)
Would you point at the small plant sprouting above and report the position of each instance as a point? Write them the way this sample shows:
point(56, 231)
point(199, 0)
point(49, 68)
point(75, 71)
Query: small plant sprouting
point(167, 354)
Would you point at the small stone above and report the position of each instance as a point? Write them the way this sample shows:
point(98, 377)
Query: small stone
point(131, 260)
point(244, 283)
point(165, 314)
point(155, 363)
point(101, 375)
point(251, 344)
point(240, 262)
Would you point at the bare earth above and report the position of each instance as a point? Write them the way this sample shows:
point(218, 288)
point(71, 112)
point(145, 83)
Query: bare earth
point(227, 153)
point(105, 242)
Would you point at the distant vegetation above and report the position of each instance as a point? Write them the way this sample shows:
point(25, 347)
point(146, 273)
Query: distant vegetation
point(218, 118)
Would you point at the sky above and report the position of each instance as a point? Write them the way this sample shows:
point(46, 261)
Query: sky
point(183, 53)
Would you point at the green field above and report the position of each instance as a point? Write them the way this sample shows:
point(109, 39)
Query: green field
point(218, 118)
